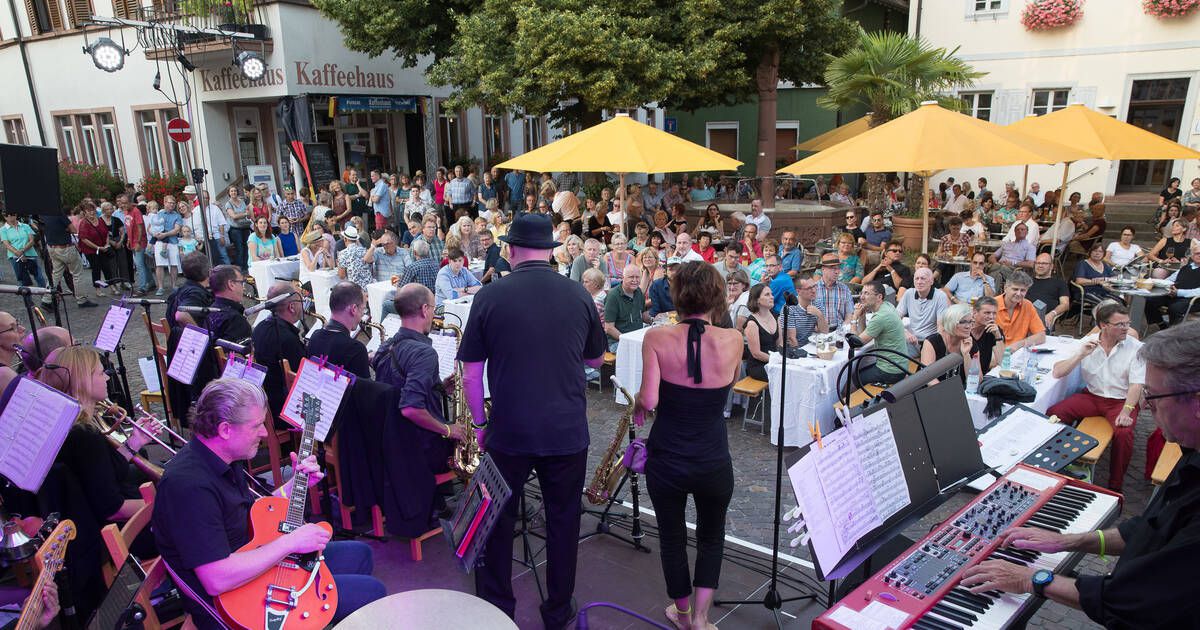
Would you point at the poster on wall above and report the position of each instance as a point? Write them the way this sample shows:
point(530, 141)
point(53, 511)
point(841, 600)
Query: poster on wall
point(262, 174)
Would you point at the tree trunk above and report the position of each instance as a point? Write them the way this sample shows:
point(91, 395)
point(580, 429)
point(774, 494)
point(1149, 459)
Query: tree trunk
point(876, 195)
point(767, 78)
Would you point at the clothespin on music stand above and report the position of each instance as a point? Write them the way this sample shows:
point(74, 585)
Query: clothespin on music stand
point(814, 429)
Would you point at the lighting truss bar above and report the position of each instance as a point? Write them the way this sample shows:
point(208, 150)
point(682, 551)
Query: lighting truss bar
point(114, 21)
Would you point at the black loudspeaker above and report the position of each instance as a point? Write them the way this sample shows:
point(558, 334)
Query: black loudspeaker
point(29, 180)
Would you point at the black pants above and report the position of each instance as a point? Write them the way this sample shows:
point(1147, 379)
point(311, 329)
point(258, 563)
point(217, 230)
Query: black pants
point(101, 264)
point(561, 478)
point(669, 482)
point(1177, 309)
point(872, 374)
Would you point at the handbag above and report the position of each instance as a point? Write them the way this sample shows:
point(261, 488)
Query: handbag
point(635, 456)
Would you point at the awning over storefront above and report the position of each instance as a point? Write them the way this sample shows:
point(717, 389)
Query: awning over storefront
point(375, 104)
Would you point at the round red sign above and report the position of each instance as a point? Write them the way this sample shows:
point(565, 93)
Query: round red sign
point(179, 130)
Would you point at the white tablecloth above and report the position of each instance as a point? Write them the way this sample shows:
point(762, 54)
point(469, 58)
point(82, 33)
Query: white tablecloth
point(1050, 390)
point(266, 272)
point(629, 363)
point(811, 394)
point(458, 311)
point(322, 283)
point(377, 292)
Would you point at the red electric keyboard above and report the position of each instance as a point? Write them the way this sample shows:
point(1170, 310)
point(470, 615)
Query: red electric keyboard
point(919, 589)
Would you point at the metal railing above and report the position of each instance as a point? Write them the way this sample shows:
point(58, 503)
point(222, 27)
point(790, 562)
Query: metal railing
point(233, 16)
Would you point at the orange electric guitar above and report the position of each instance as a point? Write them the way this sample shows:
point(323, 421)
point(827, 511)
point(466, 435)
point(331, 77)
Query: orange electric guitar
point(51, 555)
point(298, 592)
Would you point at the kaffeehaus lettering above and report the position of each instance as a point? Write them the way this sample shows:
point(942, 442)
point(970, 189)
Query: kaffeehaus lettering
point(331, 75)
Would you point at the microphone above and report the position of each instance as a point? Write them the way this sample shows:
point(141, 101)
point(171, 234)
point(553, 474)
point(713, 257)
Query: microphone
point(19, 290)
point(853, 342)
point(241, 347)
point(790, 299)
point(271, 303)
point(146, 302)
point(199, 310)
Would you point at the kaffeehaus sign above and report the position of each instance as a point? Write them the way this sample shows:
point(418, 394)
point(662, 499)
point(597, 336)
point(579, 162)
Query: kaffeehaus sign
point(304, 74)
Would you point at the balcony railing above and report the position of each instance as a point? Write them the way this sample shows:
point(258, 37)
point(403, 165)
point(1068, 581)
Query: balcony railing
point(235, 16)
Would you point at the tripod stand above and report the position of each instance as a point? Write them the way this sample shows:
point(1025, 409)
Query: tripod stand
point(604, 527)
point(772, 600)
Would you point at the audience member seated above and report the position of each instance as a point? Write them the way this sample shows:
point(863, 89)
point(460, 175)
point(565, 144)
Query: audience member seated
point(1113, 375)
point(1173, 249)
point(1091, 273)
point(761, 331)
point(853, 228)
point(953, 335)
point(731, 260)
point(1122, 252)
point(791, 254)
point(1024, 217)
point(314, 256)
point(803, 318)
point(390, 258)
point(987, 340)
point(455, 279)
point(967, 286)
point(781, 284)
point(1013, 255)
point(833, 296)
point(1186, 285)
point(624, 307)
point(893, 274)
point(737, 296)
point(1094, 230)
point(877, 236)
point(956, 242)
point(923, 305)
point(589, 258)
point(1049, 293)
point(849, 264)
point(684, 250)
point(660, 290)
point(886, 329)
point(1016, 316)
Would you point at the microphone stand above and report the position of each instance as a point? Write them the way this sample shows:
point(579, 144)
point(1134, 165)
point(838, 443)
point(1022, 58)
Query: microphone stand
point(772, 600)
point(158, 367)
point(27, 298)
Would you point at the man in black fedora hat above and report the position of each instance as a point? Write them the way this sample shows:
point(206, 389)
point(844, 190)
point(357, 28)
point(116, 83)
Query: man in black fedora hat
point(535, 330)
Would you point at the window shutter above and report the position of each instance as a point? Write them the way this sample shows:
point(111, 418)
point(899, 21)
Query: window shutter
point(56, 16)
point(31, 12)
point(1085, 95)
point(127, 9)
point(79, 11)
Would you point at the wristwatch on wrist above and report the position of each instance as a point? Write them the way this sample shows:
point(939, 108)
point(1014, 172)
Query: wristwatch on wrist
point(1041, 578)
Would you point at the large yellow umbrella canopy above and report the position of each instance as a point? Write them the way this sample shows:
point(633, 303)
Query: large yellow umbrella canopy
point(1099, 136)
point(622, 145)
point(931, 139)
point(835, 135)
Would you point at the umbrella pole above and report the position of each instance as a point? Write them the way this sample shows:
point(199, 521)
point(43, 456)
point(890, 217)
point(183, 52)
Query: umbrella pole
point(1062, 192)
point(1024, 182)
point(624, 205)
point(926, 177)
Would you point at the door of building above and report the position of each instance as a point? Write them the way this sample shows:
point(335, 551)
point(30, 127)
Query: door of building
point(354, 145)
point(1155, 105)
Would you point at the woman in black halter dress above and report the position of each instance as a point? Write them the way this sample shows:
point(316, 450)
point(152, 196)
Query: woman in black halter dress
point(687, 370)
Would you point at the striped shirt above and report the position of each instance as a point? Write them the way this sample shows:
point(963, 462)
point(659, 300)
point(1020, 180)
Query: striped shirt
point(835, 302)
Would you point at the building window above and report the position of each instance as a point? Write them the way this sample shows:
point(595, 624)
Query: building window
point(151, 145)
point(722, 137)
point(977, 104)
point(78, 11)
point(1049, 101)
point(45, 16)
point(108, 142)
point(67, 148)
point(448, 135)
point(787, 136)
point(493, 135)
point(534, 133)
point(986, 8)
point(14, 130)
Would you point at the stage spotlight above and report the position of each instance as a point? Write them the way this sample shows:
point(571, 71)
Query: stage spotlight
point(106, 54)
point(252, 65)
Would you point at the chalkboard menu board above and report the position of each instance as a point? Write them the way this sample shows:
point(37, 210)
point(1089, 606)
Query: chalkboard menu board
point(321, 164)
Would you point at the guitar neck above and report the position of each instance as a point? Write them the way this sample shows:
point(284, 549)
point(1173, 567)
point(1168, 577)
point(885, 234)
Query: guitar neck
point(31, 614)
point(298, 502)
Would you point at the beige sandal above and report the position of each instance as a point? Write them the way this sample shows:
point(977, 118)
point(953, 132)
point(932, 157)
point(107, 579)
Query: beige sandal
point(673, 615)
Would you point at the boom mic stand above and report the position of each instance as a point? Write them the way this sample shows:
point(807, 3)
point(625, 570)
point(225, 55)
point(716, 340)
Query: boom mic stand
point(159, 368)
point(772, 600)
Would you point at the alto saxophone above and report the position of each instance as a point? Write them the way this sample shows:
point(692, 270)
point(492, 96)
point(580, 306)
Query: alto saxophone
point(608, 474)
point(465, 458)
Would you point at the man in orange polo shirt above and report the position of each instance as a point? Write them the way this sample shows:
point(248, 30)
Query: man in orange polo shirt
point(1020, 322)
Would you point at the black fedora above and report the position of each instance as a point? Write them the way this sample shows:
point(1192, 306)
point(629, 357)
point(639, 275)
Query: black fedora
point(534, 231)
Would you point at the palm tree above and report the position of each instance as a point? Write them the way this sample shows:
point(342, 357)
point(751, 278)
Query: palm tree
point(892, 73)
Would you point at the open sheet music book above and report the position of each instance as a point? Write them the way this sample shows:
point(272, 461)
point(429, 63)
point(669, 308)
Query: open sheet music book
point(193, 344)
point(447, 351)
point(245, 369)
point(33, 426)
point(849, 483)
point(115, 321)
point(327, 382)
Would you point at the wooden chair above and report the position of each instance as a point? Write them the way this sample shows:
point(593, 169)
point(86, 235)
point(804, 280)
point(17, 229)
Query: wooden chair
point(862, 395)
point(610, 362)
point(160, 358)
point(414, 544)
point(222, 358)
point(1099, 428)
point(278, 441)
point(117, 541)
point(1166, 463)
point(756, 391)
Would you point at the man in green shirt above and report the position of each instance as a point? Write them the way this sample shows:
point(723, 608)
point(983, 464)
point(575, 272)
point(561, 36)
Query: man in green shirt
point(624, 306)
point(18, 239)
point(876, 320)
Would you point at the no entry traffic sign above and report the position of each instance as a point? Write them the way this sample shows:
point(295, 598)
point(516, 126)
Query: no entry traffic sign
point(179, 130)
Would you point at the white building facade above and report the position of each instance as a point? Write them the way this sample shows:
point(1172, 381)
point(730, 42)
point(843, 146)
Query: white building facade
point(1115, 59)
point(385, 116)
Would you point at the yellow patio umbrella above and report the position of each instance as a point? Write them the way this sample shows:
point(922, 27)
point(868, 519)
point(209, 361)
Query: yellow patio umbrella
point(1098, 136)
point(834, 136)
point(931, 139)
point(622, 145)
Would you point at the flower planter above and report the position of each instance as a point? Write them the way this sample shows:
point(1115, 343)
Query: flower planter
point(1170, 8)
point(909, 228)
point(1044, 15)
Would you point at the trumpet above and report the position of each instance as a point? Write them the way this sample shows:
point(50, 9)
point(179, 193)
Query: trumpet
point(114, 431)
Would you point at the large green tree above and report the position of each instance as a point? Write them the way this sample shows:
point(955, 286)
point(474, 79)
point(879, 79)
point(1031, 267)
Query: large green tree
point(892, 73)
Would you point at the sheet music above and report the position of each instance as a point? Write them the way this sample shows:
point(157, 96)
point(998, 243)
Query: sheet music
point(33, 426)
point(322, 382)
point(109, 335)
point(149, 373)
point(240, 368)
point(847, 492)
point(1014, 437)
point(193, 344)
point(447, 349)
point(880, 461)
point(811, 498)
point(391, 326)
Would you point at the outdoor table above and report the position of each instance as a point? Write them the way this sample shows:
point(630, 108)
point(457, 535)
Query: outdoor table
point(457, 311)
point(1135, 298)
point(266, 272)
point(377, 292)
point(989, 244)
point(957, 261)
point(1050, 390)
point(628, 368)
point(811, 393)
point(322, 284)
point(428, 609)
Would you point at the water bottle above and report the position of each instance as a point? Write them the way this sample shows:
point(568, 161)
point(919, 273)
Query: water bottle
point(1006, 361)
point(974, 375)
point(1031, 369)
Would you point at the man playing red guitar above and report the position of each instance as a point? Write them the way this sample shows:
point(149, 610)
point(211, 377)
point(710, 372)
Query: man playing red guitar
point(201, 511)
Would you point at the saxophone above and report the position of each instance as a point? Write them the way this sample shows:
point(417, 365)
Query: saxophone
point(608, 474)
point(465, 458)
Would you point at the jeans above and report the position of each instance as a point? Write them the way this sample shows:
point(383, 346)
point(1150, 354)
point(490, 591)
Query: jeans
point(561, 477)
point(237, 246)
point(143, 272)
point(669, 482)
point(27, 270)
point(351, 563)
point(219, 256)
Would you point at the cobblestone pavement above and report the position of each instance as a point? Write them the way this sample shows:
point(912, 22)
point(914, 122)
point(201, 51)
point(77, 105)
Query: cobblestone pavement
point(751, 511)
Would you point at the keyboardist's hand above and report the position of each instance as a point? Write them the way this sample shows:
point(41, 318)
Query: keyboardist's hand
point(1033, 539)
point(998, 575)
